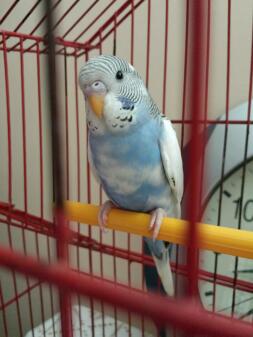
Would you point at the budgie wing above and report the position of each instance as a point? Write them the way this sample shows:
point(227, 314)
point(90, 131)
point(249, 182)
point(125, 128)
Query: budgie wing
point(171, 158)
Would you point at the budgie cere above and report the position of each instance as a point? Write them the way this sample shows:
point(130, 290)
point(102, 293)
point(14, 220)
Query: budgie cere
point(133, 150)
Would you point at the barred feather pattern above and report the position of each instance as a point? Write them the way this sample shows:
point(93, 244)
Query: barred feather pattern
point(133, 88)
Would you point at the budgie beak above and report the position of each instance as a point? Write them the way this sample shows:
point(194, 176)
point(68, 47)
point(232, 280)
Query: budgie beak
point(95, 94)
point(97, 104)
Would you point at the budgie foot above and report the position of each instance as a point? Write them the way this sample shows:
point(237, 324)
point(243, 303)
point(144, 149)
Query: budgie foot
point(156, 220)
point(103, 214)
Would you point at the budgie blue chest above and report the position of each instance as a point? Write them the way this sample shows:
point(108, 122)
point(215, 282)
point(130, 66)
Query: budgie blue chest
point(130, 168)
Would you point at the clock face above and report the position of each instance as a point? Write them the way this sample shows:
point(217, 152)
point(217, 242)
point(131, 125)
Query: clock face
point(216, 297)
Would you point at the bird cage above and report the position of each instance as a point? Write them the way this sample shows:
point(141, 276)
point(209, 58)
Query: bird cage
point(59, 275)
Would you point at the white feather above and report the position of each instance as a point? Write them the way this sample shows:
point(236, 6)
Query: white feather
point(172, 160)
point(165, 273)
point(92, 166)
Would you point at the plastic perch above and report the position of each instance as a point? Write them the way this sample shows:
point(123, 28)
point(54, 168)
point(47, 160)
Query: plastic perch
point(218, 239)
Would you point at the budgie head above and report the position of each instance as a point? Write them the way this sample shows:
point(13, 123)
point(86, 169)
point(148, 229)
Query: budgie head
point(115, 95)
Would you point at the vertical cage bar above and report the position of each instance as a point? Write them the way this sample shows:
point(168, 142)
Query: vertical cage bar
point(88, 181)
point(195, 108)
point(25, 168)
point(7, 92)
point(185, 79)
point(206, 87)
point(132, 32)
point(113, 232)
point(89, 227)
point(129, 235)
point(62, 230)
point(244, 171)
point(40, 131)
point(78, 177)
point(40, 287)
point(228, 60)
point(224, 146)
point(100, 232)
point(146, 82)
point(147, 85)
point(185, 72)
point(41, 172)
point(50, 286)
point(165, 56)
point(148, 43)
point(2, 307)
point(66, 121)
point(23, 123)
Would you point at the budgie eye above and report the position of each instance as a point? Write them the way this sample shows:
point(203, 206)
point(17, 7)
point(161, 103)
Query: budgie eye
point(119, 75)
point(98, 85)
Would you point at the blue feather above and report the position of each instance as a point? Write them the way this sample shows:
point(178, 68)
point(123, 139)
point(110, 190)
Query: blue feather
point(127, 104)
point(131, 169)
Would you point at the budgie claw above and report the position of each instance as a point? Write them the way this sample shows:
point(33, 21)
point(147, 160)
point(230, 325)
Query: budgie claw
point(103, 214)
point(156, 220)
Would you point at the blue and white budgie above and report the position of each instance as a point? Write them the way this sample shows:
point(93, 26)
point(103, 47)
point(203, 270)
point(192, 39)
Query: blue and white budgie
point(133, 150)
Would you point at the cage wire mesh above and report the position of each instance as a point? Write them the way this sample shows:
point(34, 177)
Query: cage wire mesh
point(155, 37)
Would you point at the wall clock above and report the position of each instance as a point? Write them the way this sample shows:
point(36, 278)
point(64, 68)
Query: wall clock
point(232, 199)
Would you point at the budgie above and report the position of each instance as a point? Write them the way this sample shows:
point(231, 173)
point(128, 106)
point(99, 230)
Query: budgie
point(133, 150)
